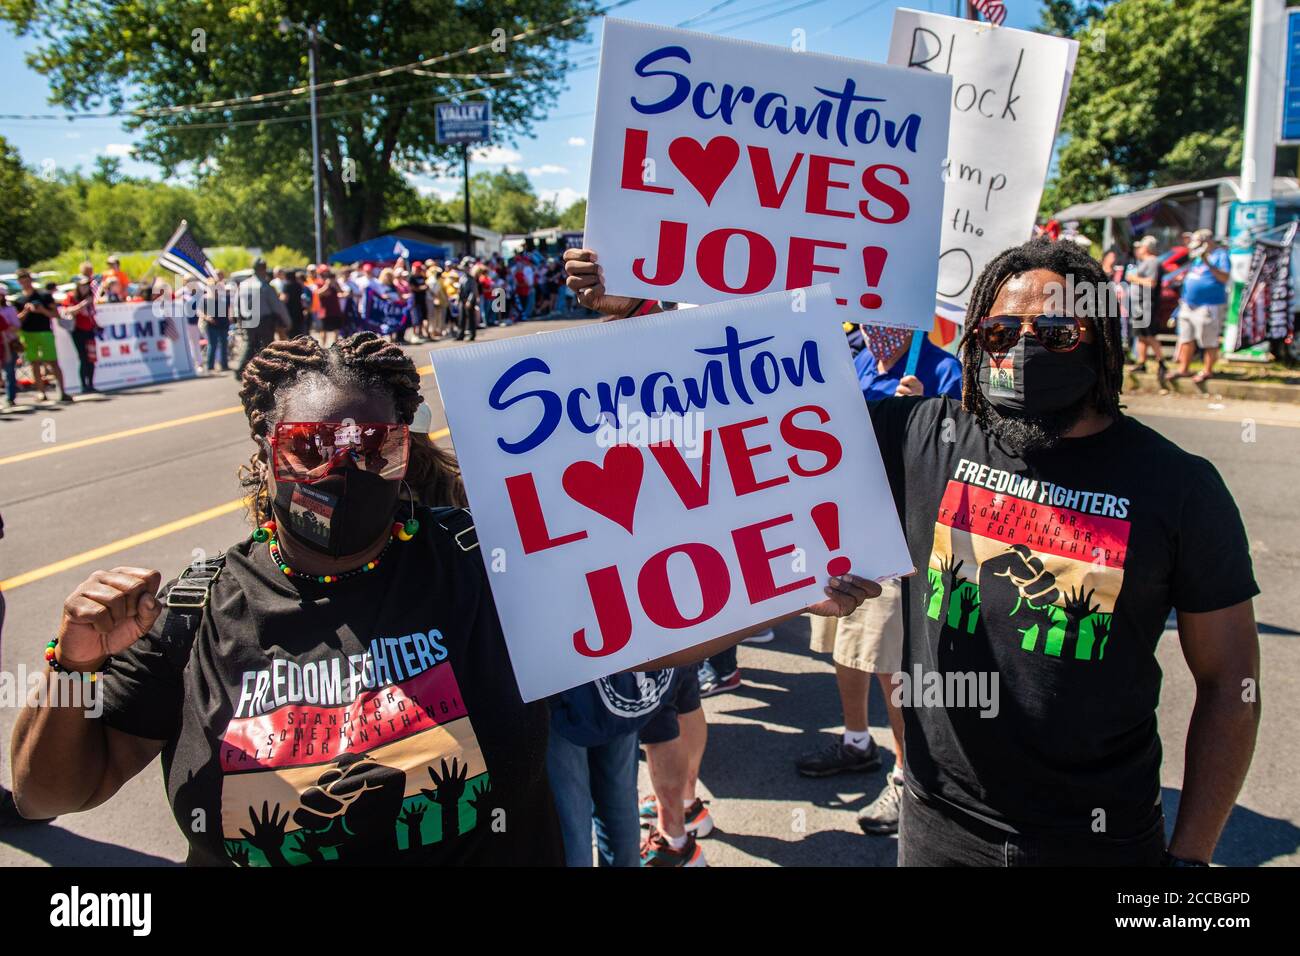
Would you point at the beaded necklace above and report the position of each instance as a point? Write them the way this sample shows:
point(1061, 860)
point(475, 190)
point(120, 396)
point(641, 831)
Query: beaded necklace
point(402, 531)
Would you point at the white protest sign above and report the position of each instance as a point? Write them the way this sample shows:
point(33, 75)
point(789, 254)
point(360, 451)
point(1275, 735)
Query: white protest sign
point(135, 344)
point(644, 486)
point(1008, 94)
point(723, 168)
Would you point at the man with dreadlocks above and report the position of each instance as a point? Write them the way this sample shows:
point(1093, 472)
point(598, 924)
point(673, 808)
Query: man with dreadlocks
point(335, 688)
point(1054, 535)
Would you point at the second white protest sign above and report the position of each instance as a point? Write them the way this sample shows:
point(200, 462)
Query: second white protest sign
point(724, 168)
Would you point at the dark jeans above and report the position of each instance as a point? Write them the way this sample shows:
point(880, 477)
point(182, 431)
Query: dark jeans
point(931, 835)
point(218, 345)
point(11, 377)
point(469, 321)
point(84, 339)
point(724, 662)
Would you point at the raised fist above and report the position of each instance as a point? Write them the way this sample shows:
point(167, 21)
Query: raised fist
point(106, 614)
point(355, 801)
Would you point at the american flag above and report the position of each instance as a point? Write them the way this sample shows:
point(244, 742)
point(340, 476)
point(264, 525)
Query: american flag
point(994, 11)
point(184, 256)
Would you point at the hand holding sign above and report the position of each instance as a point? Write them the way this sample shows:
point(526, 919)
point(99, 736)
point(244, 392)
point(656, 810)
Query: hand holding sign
point(723, 168)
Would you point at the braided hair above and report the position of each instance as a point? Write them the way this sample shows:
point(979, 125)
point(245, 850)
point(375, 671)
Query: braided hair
point(1076, 266)
point(366, 361)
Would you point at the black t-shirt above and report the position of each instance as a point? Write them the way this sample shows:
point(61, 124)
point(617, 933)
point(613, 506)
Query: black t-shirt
point(374, 720)
point(32, 321)
point(1055, 574)
point(292, 290)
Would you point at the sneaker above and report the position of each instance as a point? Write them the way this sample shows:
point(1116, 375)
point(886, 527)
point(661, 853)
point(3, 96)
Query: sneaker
point(880, 816)
point(698, 819)
point(762, 637)
point(656, 851)
point(9, 815)
point(839, 757)
point(711, 683)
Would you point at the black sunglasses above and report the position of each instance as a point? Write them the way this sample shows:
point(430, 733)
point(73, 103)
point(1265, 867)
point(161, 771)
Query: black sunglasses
point(998, 334)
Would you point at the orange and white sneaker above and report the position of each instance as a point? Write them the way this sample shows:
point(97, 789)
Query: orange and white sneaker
point(698, 819)
point(657, 851)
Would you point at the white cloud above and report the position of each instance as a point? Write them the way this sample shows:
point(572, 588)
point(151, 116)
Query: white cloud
point(124, 150)
point(72, 136)
point(547, 169)
point(495, 156)
point(564, 196)
point(577, 141)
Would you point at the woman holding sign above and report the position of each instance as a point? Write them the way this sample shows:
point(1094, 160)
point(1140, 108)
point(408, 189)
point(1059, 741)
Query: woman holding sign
point(336, 687)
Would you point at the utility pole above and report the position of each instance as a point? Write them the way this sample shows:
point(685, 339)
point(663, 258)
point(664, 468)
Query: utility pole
point(464, 165)
point(312, 37)
point(315, 142)
point(1263, 91)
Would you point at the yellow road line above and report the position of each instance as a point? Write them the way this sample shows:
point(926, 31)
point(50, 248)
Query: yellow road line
point(94, 554)
point(140, 430)
point(143, 537)
point(113, 436)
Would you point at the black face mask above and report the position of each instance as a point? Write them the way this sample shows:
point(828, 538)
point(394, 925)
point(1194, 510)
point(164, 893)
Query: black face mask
point(1031, 380)
point(343, 513)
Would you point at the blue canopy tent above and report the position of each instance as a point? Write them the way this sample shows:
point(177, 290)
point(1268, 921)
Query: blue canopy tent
point(390, 249)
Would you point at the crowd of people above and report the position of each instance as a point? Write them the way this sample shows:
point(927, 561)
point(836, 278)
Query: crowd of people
point(1064, 770)
point(408, 302)
point(1183, 289)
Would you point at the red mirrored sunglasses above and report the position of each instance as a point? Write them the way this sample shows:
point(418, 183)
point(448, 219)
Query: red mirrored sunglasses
point(998, 334)
point(308, 451)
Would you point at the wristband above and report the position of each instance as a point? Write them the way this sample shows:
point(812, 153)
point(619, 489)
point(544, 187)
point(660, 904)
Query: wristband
point(642, 307)
point(1171, 860)
point(52, 659)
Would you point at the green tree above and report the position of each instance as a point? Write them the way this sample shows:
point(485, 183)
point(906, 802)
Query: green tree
point(154, 56)
point(37, 214)
point(1157, 97)
point(574, 215)
point(108, 169)
point(504, 200)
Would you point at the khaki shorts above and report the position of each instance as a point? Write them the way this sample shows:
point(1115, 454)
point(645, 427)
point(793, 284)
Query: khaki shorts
point(1201, 324)
point(871, 638)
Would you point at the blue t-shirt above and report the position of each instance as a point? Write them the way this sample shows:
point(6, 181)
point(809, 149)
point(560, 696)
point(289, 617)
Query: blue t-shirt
point(938, 371)
point(1199, 285)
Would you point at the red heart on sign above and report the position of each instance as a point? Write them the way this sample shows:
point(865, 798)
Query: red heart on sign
point(610, 489)
point(706, 167)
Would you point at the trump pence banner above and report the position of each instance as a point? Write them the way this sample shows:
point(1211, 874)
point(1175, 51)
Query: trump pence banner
point(1008, 93)
point(644, 486)
point(725, 168)
point(135, 344)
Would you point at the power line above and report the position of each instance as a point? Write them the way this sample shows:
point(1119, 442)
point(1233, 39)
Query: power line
point(261, 99)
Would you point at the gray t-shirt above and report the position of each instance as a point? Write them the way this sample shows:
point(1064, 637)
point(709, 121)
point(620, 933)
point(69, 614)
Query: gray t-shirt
point(1141, 298)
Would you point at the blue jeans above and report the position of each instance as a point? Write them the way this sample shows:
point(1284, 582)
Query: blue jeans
point(218, 345)
point(596, 784)
point(11, 377)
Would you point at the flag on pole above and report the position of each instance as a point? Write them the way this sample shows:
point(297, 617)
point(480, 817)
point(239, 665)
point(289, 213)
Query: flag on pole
point(184, 256)
point(400, 251)
point(994, 11)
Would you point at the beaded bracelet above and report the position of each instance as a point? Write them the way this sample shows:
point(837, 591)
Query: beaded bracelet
point(52, 659)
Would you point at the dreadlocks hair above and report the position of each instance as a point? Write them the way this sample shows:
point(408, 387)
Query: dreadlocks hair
point(365, 360)
point(1082, 271)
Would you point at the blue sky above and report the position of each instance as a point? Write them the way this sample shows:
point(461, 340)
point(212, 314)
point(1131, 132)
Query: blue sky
point(557, 156)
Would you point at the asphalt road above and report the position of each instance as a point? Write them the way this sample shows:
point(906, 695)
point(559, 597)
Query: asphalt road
point(147, 477)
